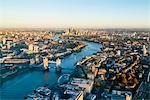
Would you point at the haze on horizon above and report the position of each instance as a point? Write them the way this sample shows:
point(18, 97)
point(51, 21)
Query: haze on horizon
point(75, 13)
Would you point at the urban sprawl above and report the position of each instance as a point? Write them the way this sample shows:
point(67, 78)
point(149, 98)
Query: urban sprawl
point(119, 71)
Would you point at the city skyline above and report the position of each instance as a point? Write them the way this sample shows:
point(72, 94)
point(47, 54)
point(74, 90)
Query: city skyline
point(74, 13)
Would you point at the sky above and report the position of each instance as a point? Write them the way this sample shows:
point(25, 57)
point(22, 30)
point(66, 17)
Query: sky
point(75, 13)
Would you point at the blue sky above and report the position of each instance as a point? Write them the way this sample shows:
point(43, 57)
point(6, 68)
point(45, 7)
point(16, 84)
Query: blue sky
point(75, 13)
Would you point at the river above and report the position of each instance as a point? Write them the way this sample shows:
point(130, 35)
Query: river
point(23, 84)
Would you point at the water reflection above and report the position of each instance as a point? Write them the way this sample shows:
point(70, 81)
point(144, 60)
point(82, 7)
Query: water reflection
point(46, 77)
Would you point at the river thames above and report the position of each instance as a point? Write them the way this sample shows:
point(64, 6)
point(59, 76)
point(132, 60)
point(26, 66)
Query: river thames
point(23, 84)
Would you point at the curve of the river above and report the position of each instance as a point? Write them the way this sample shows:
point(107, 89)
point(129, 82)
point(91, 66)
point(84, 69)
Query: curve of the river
point(23, 84)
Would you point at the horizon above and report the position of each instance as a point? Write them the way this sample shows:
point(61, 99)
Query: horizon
point(64, 29)
point(94, 14)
